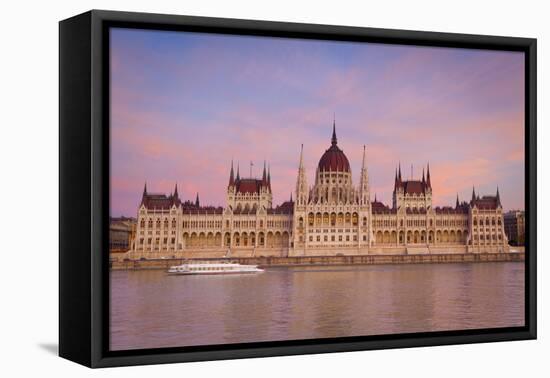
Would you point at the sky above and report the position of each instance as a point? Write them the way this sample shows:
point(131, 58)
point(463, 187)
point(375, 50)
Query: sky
point(184, 105)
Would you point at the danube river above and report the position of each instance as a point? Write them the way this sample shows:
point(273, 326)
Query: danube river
point(150, 309)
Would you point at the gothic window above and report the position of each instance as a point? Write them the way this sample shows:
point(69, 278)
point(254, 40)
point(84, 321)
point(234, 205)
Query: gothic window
point(150, 223)
point(174, 222)
point(158, 223)
point(142, 223)
point(165, 223)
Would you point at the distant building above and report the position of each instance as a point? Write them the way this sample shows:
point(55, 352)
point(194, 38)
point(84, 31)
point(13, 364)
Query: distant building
point(121, 233)
point(332, 217)
point(514, 226)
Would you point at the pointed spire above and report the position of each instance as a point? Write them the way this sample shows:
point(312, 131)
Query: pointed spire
point(301, 157)
point(145, 189)
point(176, 191)
point(238, 174)
point(400, 172)
point(290, 196)
point(457, 203)
point(428, 181)
point(264, 176)
point(473, 194)
point(498, 198)
point(269, 176)
point(364, 166)
point(423, 177)
point(197, 202)
point(231, 175)
point(334, 140)
point(375, 200)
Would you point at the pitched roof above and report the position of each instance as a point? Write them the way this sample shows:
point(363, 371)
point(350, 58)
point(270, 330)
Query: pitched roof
point(486, 203)
point(248, 185)
point(159, 201)
point(413, 186)
point(380, 208)
point(286, 207)
point(461, 209)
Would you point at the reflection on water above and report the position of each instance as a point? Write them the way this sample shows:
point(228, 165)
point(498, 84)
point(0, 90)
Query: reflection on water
point(150, 309)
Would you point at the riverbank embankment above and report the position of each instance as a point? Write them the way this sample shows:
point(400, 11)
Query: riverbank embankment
point(329, 260)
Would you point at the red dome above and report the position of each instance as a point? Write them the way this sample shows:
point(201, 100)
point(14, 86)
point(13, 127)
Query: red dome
point(334, 158)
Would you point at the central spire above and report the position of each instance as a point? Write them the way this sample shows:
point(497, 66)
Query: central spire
point(334, 140)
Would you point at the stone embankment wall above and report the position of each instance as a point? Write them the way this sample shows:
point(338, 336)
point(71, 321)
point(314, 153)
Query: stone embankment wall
point(328, 260)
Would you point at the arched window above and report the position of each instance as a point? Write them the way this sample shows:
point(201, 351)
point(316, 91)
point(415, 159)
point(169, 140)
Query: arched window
point(142, 223)
point(150, 223)
point(158, 223)
point(165, 222)
point(174, 223)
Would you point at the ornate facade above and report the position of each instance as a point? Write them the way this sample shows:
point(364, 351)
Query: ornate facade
point(332, 217)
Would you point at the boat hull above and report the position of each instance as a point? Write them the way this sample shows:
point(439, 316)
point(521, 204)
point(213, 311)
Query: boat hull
point(211, 273)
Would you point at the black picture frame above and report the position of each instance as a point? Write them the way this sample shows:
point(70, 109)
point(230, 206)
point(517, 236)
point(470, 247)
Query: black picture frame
point(84, 187)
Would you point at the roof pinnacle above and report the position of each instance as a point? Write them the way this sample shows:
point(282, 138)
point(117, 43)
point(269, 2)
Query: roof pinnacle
point(334, 140)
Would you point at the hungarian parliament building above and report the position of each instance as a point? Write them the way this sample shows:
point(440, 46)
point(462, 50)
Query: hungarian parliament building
point(332, 217)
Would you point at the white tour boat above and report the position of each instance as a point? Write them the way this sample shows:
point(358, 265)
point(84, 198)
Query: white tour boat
point(217, 268)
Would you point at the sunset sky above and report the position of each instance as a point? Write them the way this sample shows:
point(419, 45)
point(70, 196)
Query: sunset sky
point(184, 104)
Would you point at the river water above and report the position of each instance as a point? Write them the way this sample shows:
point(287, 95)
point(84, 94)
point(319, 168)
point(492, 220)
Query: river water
point(150, 309)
